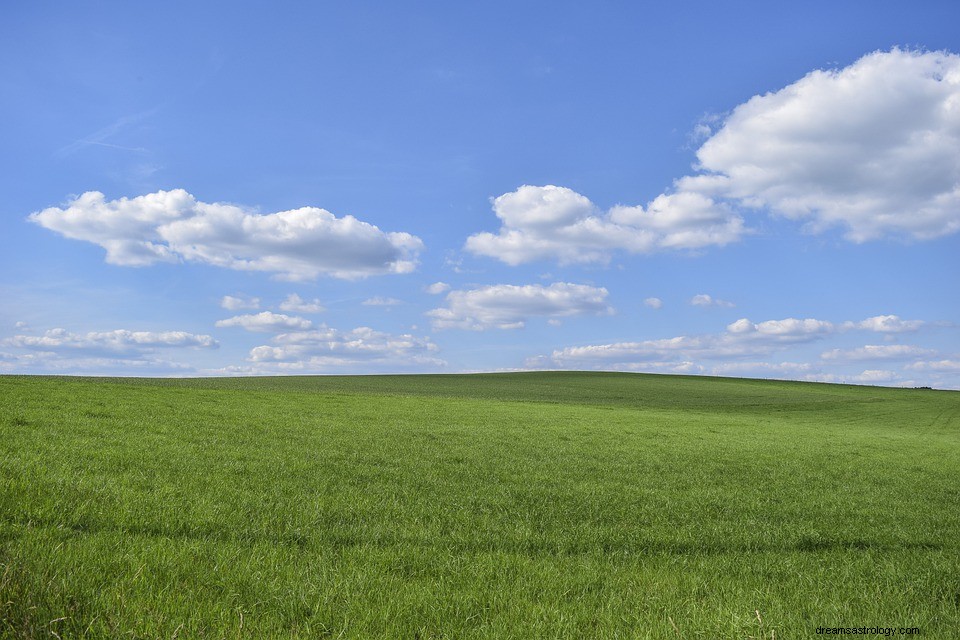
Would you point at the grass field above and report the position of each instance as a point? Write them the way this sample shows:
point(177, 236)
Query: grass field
point(534, 505)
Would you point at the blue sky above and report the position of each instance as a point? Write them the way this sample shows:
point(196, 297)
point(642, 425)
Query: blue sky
point(746, 189)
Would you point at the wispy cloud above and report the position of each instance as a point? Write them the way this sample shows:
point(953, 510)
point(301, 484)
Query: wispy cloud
point(706, 300)
point(380, 301)
point(234, 303)
point(100, 137)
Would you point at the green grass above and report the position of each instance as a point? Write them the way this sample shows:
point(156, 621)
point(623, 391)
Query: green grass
point(538, 505)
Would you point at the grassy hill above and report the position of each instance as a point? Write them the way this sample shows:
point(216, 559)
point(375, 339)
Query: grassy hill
point(529, 505)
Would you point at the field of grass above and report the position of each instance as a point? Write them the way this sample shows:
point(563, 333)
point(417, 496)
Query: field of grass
point(535, 505)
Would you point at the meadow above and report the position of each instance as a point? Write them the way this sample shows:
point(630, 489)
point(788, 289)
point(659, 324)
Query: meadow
point(528, 505)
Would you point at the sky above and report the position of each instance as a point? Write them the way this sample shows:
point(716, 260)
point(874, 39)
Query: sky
point(747, 189)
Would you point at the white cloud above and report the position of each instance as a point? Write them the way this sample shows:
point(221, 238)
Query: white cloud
point(379, 301)
point(683, 220)
point(118, 341)
point(735, 352)
point(674, 367)
point(877, 352)
point(172, 226)
point(437, 288)
point(505, 306)
point(653, 303)
point(67, 363)
point(873, 148)
point(873, 376)
point(787, 330)
point(937, 366)
point(556, 223)
point(120, 352)
point(266, 321)
point(808, 372)
point(296, 304)
point(705, 300)
point(742, 339)
point(325, 349)
point(763, 369)
point(887, 324)
point(233, 303)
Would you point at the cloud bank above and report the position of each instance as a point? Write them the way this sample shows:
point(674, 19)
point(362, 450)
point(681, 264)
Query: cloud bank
point(743, 347)
point(741, 339)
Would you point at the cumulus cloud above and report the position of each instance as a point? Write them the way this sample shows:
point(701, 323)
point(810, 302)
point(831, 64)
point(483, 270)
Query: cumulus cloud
point(873, 148)
point(653, 303)
point(380, 301)
point(296, 304)
point(505, 306)
point(234, 303)
point(705, 300)
point(437, 288)
point(173, 226)
point(325, 348)
point(266, 322)
point(878, 352)
point(787, 330)
point(557, 223)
